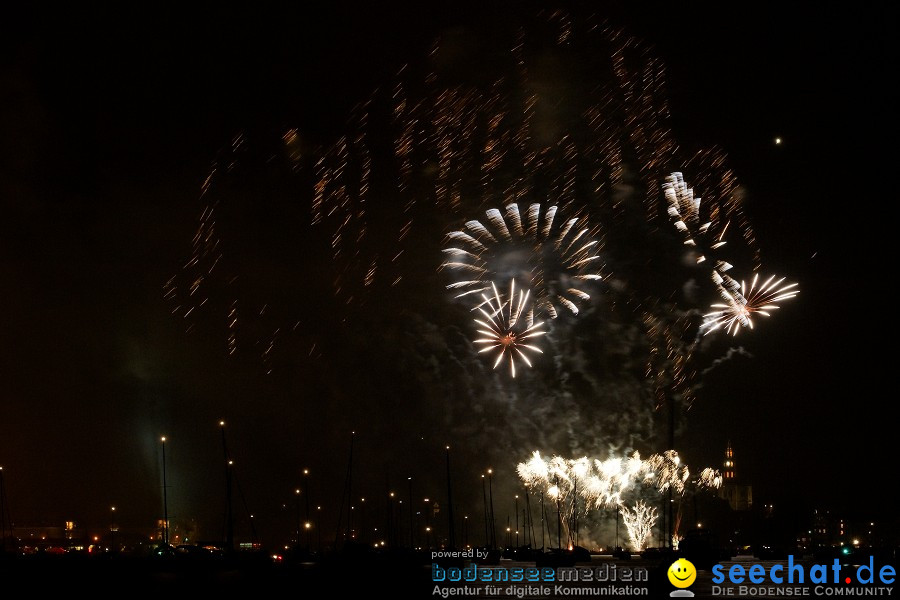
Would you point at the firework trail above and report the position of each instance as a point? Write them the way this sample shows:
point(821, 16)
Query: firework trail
point(554, 257)
point(741, 301)
point(509, 327)
point(500, 145)
point(460, 147)
point(672, 344)
point(219, 287)
point(569, 114)
point(684, 209)
point(707, 237)
point(676, 528)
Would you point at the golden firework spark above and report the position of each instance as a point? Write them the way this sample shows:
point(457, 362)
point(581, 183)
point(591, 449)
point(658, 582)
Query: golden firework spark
point(605, 483)
point(556, 258)
point(639, 521)
point(508, 326)
point(744, 301)
point(684, 209)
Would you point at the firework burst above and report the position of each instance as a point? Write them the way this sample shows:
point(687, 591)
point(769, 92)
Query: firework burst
point(669, 471)
point(508, 326)
point(431, 149)
point(639, 520)
point(744, 301)
point(684, 209)
point(555, 257)
point(612, 478)
point(605, 482)
point(709, 478)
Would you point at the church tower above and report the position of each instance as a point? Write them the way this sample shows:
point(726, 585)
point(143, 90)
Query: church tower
point(728, 470)
point(738, 495)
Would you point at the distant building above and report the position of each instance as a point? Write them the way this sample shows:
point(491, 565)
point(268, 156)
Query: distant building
point(43, 537)
point(737, 493)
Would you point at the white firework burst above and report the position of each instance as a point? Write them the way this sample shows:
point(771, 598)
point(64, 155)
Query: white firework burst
point(709, 478)
point(554, 258)
point(742, 302)
point(684, 209)
point(508, 327)
point(669, 472)
point(639, 521)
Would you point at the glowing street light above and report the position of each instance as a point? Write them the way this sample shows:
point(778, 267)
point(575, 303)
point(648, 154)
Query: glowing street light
point(490, 473)
point(113, 528)
point(165, 495)
point(297, 495)
point(306, 488)
point(517, 520)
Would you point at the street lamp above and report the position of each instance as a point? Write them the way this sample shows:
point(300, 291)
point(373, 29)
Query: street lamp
point(297, 494)
point(411, 544)
point(487, 538)
point(306, 487)
point(362, 520)
point(112, 527)
point(491, 496)
point(451, 529)
point(165, 495)
point(319, 528)
point(517, 520)
point(392, 526)
point(229, 505)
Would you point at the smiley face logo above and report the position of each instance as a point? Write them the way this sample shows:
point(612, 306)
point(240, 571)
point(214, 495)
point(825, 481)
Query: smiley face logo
point(682, 573)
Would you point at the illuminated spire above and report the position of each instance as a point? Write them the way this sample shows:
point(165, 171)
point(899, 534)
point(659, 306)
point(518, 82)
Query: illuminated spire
point(728, 470)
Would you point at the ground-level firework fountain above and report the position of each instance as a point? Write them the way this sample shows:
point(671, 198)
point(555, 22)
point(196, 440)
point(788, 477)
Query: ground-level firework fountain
point(609, 483)
point(639, 520)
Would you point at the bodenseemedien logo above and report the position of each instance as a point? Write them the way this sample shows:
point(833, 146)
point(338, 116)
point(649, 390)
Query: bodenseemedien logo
point(682, 574)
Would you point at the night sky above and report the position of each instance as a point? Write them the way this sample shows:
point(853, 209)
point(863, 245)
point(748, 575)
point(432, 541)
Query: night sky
point(107, 133)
